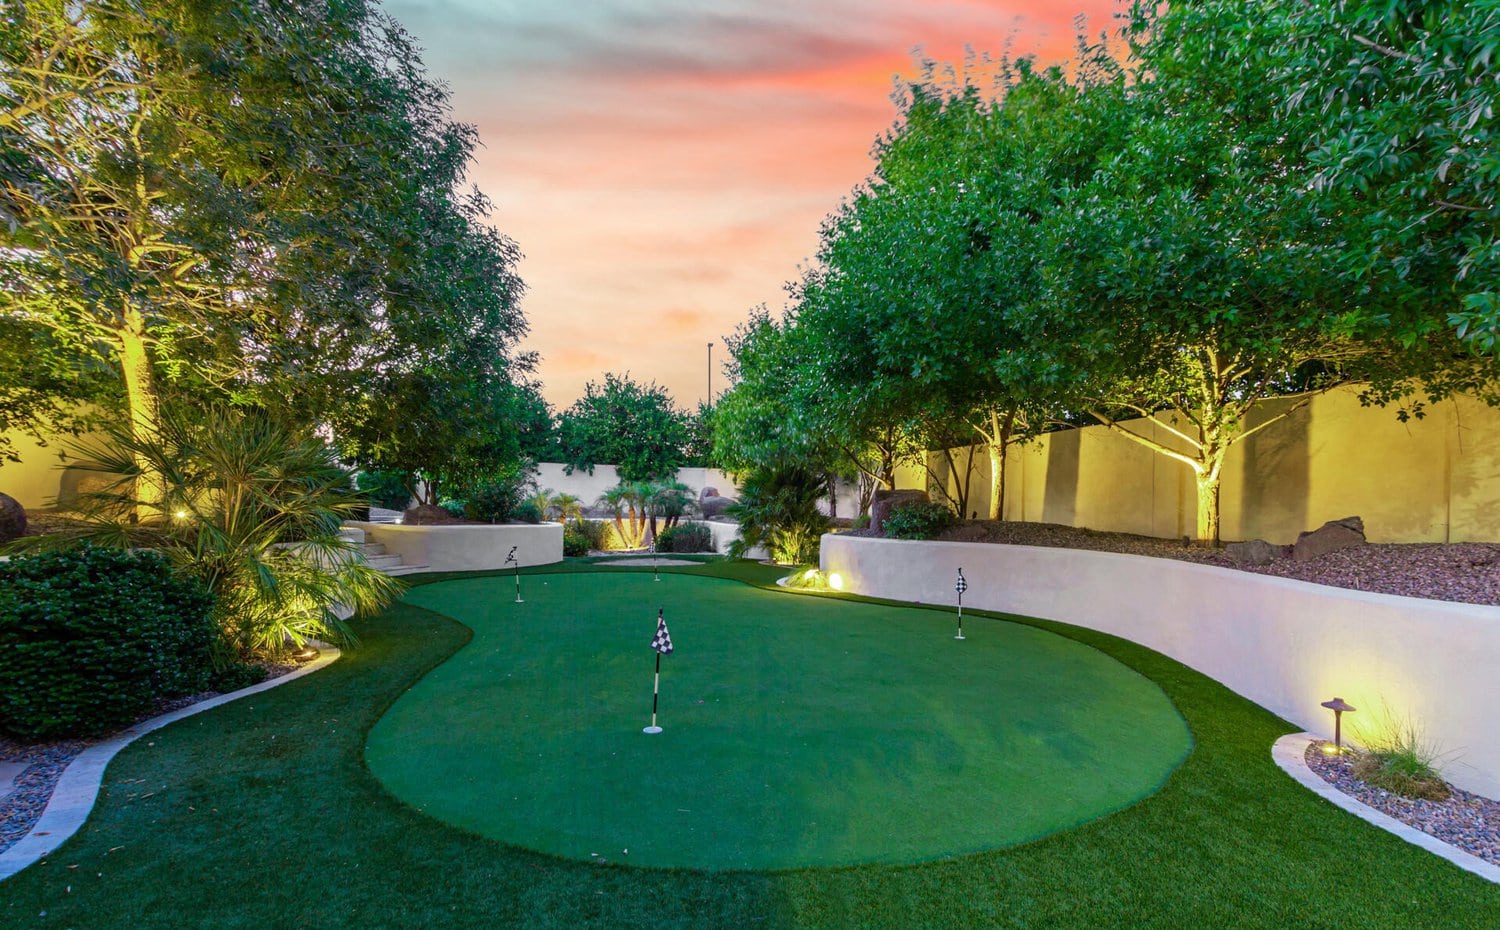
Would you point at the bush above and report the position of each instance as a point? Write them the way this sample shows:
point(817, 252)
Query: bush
point(527, 512)
point(778, 509)
point(90, 637)
point(587, 530)
point(575, 546)
point(918, 520)
point(497, 498)
point(385, 489)
point(861, 522)
point(685, 537)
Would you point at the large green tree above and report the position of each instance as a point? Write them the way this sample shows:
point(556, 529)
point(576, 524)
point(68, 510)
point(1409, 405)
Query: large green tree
point(635, 427)
point(255, 201)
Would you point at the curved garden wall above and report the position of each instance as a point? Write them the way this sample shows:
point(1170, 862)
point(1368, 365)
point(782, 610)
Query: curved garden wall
point(1287, 645)
point(466, 546)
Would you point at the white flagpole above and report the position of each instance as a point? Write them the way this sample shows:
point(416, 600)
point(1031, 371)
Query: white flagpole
point(960, 589)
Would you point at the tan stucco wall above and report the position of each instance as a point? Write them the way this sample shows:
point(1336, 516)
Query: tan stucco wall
point(1286, 645)
point(1431, 480)
point(40, 477)
point(468, 547)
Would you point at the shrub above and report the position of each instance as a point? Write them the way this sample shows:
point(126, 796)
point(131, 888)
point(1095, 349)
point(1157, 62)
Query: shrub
point(861, 522)
point(387, 489)
point(250, 505)
point(685, 537)
point(587, 530)
point(918, 520)
point(497, 498)
point(778, 509)
point(527, 512)
point(90, 637)
point(575, 546)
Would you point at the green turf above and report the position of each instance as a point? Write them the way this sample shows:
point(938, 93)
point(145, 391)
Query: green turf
point(798, 731)
point(261, 814)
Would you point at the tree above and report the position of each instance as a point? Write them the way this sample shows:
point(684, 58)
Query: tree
point(249, 201)
point(633, 426)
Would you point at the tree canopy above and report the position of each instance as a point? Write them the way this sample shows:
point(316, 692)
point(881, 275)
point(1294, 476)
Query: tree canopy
point(634, 426)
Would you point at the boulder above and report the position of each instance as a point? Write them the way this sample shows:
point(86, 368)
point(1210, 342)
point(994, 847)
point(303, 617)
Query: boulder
point(1330, 537)
point(1254, 552)
point(12, 519)
point(706, 493)
point(715, 506)
point(886, 501)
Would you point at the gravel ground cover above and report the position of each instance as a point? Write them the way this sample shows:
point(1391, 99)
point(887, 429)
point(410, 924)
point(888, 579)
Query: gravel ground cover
point(1468, 821)
point(1466, 572)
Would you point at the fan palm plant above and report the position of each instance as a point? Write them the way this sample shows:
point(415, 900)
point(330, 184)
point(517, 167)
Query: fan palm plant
point(563, 507)
point(252, 507)
point(628, 502)
point(778, 509)
point(669, 501)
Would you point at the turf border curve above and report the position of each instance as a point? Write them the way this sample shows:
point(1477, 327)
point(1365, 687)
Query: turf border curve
point(78, 787)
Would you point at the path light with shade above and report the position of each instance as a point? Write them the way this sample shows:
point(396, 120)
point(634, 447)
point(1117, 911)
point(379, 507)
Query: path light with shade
point(1338, 706)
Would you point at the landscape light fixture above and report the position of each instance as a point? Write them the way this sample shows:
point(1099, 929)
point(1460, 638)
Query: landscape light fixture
point(306, 654)
point(1338, 707)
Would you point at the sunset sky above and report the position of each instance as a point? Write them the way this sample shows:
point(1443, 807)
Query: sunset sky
point(664, 164)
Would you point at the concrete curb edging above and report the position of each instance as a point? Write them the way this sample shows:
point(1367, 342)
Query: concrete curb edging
point(1290, 752)
point(78, 788)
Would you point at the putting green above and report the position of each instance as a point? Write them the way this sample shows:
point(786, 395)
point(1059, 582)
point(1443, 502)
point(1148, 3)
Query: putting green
point(799, 731)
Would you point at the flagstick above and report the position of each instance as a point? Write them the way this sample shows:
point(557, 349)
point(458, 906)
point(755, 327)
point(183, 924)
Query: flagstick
point(518, 582)
point(655, 692)
point(960, 587)
point(655, 571)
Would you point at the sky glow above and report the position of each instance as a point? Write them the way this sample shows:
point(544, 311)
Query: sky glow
point(665, 165)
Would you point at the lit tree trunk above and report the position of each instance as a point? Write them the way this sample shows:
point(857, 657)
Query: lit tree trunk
point(1208, 507)
point(144, 405)
point(996, 433)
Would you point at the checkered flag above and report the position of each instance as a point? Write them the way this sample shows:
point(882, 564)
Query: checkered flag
point(961, 586)
point(662, 642)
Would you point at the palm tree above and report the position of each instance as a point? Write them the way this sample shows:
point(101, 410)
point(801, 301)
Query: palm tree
point(249, 505)
point(669, 500)
point(563, 507)
point(627, 501)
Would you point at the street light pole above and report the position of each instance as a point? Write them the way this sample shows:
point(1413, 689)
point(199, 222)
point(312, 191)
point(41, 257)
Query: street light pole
point(710, 375)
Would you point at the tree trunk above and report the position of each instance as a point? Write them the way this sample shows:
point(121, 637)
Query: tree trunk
point(144, 408)
point(999, 448)
point(1208, 507)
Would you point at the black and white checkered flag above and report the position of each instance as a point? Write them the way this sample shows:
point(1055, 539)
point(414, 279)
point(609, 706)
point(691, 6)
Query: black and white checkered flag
point(961, 586)
point(662, 642)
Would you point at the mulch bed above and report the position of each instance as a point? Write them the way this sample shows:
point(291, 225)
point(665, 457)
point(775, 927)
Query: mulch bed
point(1468, 821)
point(1464, 572)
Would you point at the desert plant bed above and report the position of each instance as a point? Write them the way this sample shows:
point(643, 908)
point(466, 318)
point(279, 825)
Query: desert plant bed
point(245, 795)
point(1468, 572)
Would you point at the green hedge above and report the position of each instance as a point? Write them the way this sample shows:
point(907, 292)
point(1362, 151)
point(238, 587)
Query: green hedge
point(90, 637)
point(918, 520)
point(686, 537)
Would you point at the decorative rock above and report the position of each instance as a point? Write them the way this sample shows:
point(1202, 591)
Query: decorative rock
point(1253, 552)
point(12, 519)
point(1330, 537)
point(706, 493)
point(886, 501)
point(714, 506)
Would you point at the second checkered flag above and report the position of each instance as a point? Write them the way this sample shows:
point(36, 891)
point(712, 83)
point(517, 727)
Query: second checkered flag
point(661, 644)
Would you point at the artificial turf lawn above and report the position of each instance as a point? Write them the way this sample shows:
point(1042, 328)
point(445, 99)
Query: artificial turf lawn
point(799, 731)
point(260, 814)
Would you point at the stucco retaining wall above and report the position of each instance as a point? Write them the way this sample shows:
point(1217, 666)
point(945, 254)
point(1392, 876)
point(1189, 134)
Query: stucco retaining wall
point(468, 547)
point(1287, 645)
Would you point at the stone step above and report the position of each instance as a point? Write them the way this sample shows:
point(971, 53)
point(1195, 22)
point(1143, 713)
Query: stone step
point(384, 562)
point(374, 548)
point(352, 533)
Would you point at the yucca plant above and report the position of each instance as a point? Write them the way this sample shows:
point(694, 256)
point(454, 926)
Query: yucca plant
point(252, 507)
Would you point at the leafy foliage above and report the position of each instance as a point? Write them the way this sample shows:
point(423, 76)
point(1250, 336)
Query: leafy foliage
point(685, 537)
point(90, 637)
point(390, 490)
point(633, 426)
point(251, 507)
point(778, 509)
point(500, 497)
point(918, 520)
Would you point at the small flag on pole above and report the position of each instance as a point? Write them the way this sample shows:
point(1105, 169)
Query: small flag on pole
point(512, 558)
point(661, 643)
point(960, 586)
